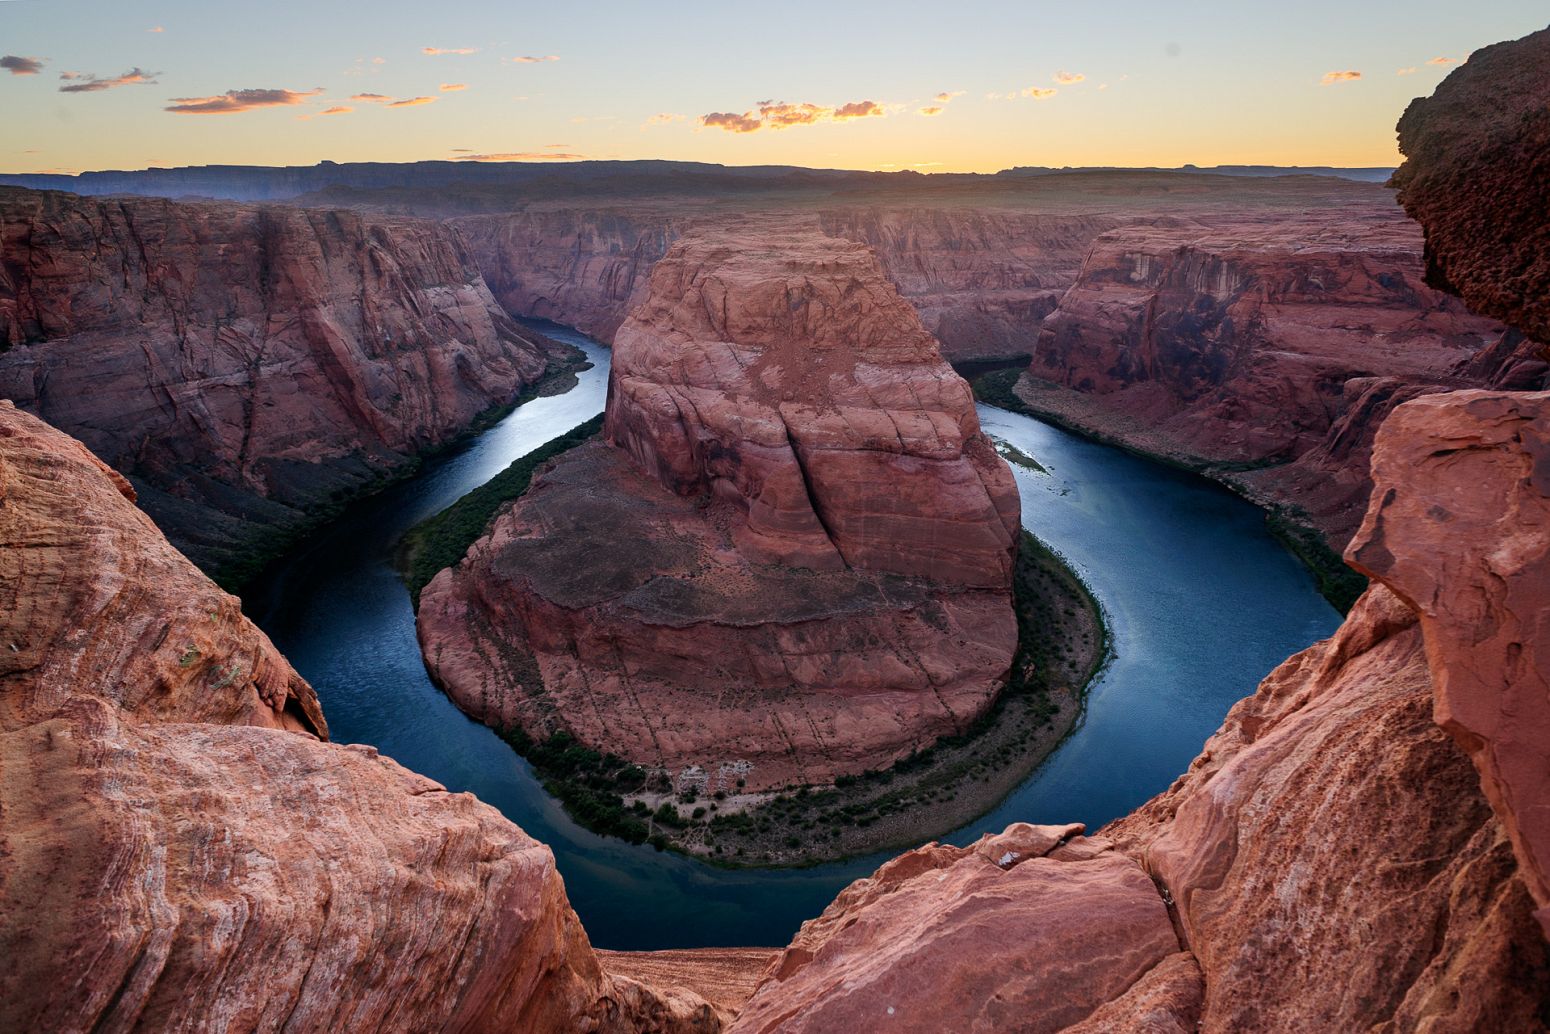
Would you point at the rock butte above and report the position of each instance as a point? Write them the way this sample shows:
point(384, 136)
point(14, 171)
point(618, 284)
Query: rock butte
point(247, 365)
point(180, 848)
point(791, 558)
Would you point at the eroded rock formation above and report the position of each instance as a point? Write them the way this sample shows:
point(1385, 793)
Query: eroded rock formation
point(1270, 350)
point(789, 561)
point(246, 366)
point(1330, 860)
point(1477, 176)
point(179, 848)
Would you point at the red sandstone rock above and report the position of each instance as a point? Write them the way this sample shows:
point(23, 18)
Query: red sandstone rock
point(795, 563)
point(178, 851)
point(786, 374)
point(944, 938)
point(246, 365)
point(1276, 344)
point(1477, 176)
point(1460, 529)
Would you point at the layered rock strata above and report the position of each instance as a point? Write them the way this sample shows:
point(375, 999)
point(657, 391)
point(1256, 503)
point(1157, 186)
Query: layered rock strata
point(1330, 860)
point(1269, 352)
point(247, 366)
point(182, 850)
point(789, 560)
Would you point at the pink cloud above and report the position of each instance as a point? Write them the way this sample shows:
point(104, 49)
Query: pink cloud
point(412, 102)
point(1069, 78)
point(532, 59)
point(1039, 93)
point(438, 51)
point(522, 156)
point(783, 115)
point(1331, 78)
point(85, 82)
point(1443, 61)
point(935, 110)
point(18, 65)
point(235, 101)
point(453, 87)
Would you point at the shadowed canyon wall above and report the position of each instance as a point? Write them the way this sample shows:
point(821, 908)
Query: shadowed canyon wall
point(247, 366)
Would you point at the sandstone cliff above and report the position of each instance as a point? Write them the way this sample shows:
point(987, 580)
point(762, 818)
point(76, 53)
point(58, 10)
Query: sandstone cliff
point(789, 561)
point(1477, 176)
point(181, 851)
point(1269, 351)
point(247, 366)
point(1330, 861)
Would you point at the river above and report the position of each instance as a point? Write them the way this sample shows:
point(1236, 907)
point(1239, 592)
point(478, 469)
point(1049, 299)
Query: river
point(1202, 602)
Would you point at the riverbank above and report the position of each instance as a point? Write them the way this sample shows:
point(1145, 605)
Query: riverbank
point(270, 544)
point(1076, 412)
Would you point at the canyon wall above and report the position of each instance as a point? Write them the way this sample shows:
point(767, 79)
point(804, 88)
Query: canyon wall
point(246, 366)
point(183, 850)
point(789, 560)
point(1268, 352)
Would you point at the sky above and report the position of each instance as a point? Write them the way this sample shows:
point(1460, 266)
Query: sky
point(935, 87)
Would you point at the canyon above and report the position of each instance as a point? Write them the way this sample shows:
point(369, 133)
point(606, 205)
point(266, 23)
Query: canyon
point(248, 368)
point(789, 473)
point(788, 560)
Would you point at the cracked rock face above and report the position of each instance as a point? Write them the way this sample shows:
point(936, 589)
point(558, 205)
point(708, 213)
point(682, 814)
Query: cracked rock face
point(789, 560)
point(179, 850)
point(246, 365)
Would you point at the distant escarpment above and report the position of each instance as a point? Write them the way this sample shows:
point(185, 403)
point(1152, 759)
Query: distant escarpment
point(182, 850)
point(1268, 353)
point(248, 367)
point(1477, 176)
point(1330, 861)
point(789, 560)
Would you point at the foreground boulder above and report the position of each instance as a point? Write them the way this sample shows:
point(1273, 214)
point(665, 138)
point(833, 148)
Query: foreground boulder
point(247, 366)
point(180, 850)
point(1330, 861)
point(791, 558)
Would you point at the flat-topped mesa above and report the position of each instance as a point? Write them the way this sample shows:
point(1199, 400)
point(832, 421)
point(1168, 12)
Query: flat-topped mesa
point(789, 560)
point(788, 376)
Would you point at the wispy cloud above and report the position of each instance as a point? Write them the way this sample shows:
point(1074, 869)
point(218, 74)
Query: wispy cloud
point(18, 65)
point(440, 51)
point(371, 98)
point(663, 118)
point(85, 82)
point(930, 111)
point(1039, 93)
point(532, 59)
point(1443, 61)
point(411, 102)
point(453, 87)
point(947, 96)
point(522, 156)
point(341, 109)
point(1412, 70)
point(1331, 78)
point(156, 28)
point(233, 102)
point(781, 115)
point(1065, 78)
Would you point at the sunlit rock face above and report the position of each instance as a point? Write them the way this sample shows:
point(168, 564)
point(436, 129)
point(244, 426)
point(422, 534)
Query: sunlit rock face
point(182, 850)
point(247, 366)
point(790, 557)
